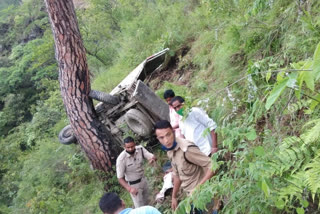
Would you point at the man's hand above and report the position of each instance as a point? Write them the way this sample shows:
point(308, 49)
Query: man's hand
point(214, 150)
point(152, 160)
point(174, 203)
point(133, 191)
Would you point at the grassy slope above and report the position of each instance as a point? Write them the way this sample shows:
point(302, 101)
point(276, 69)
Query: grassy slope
point(213, 43)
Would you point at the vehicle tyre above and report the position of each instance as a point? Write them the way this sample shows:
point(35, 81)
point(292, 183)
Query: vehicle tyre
point(104, 97)
point(66, 136)
point(138, 122)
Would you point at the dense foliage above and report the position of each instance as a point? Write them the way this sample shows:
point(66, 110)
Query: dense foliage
point(254, 65)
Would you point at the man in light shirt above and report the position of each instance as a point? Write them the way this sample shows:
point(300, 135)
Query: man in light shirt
point(174, 117)
point(197, 127)
point(130, 171)
point(110, 203)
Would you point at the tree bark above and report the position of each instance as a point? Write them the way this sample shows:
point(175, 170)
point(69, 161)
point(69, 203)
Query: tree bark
point(74, 80)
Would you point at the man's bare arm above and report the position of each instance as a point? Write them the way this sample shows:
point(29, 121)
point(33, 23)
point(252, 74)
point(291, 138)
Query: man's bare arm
point(176, 187)
point(214, 138)
point(209, 174)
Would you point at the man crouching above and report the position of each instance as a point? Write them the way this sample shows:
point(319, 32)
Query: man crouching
point(190, 166)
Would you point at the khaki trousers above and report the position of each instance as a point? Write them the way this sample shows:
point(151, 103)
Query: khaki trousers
point(142, 198)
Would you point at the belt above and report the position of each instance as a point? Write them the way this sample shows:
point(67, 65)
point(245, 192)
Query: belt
point(135, 182)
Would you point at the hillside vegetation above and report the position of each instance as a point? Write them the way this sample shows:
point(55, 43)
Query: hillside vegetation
point(253, 65)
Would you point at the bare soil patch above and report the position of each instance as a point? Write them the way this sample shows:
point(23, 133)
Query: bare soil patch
point(172, 72)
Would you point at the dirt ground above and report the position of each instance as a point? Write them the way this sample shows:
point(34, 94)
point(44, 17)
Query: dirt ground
point(172, 72)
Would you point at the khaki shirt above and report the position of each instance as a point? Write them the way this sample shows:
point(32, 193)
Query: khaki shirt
point(191, 173)
point(129, 166)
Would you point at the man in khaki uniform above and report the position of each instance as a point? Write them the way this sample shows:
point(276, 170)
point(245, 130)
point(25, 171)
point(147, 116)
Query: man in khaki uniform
point(190, 166)
point(130, 171)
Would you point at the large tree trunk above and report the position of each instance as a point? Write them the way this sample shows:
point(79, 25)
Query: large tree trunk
point(74, 80)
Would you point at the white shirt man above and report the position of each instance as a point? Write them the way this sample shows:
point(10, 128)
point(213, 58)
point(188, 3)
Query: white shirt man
point(197, 127)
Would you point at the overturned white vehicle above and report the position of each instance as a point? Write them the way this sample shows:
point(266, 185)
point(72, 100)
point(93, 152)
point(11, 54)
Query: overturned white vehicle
point(130, 105)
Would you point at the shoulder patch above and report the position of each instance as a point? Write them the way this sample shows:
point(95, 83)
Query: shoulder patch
point(121, 156)
point(184, 144)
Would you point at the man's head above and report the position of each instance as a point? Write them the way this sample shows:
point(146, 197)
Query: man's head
point(168, 95)
point(110, 203)
point(129, 145)
point(177, 103)
point(164, 133)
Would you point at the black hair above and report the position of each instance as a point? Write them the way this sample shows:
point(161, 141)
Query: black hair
point(180, 99)
point(128, 140)
point(162, 124)
point(168, 94)
point(110, 203)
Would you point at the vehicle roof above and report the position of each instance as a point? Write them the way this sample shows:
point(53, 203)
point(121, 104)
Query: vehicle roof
point(151, 63)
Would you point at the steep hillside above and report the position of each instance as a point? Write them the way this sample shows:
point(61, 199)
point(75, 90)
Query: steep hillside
point(253, 65)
